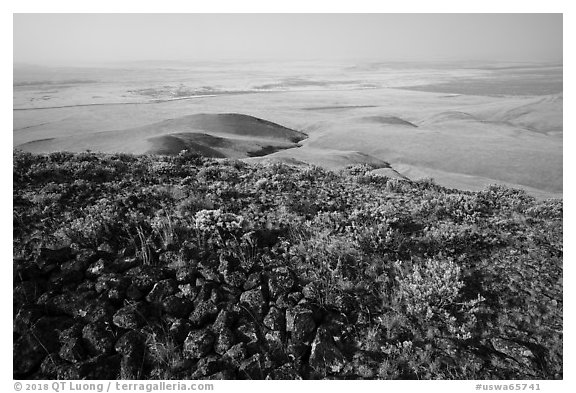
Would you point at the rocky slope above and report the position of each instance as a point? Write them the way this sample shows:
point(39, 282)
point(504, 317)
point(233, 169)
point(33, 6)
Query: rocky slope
point(184, 267)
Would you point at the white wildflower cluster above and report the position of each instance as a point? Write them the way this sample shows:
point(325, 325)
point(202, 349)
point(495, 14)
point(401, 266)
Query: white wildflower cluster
point(212, 220)
point(398, 349)
point(407, 345)
point(186, 291)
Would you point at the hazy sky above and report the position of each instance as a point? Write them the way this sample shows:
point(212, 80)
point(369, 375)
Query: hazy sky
point(72, 38)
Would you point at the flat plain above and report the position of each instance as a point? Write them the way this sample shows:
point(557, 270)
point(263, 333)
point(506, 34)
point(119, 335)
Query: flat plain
point(465, 125)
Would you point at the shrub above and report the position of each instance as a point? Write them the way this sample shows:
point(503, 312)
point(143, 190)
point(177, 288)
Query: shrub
point(429, 293)
point(212, 221)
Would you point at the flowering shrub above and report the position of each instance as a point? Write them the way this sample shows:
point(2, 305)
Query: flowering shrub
point(97, 223)
point(499, 197)
point(429, 287)
point(213, 220)
point(430, 294)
